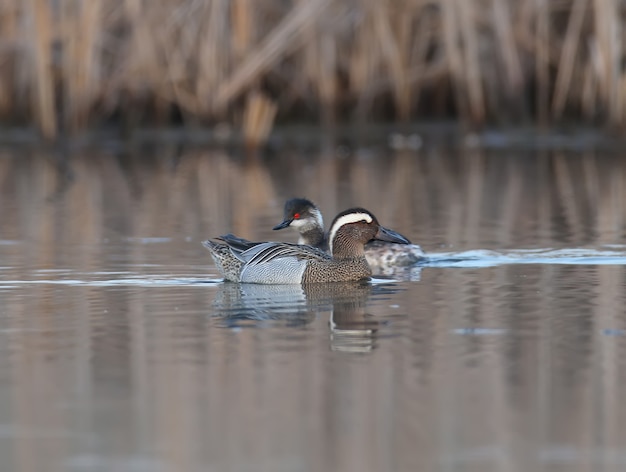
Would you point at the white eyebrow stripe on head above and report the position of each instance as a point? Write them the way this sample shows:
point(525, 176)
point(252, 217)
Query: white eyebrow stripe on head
point(344, 220)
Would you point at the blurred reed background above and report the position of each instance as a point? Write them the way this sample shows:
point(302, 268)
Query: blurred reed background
point(70, 64)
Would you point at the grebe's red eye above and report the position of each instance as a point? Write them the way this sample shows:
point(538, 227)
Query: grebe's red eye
point(296, 216)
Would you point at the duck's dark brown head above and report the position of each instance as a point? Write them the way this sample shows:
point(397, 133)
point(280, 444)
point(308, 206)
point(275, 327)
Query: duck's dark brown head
point(353, 228)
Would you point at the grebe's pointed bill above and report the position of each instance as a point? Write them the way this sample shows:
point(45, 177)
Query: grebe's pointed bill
point(386, 234)
point(284, 224)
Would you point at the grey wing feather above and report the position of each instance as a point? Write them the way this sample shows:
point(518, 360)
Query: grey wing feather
point(266, 252)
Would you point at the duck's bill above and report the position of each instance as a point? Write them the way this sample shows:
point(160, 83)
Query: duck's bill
point(282, 225)
point(386, 234)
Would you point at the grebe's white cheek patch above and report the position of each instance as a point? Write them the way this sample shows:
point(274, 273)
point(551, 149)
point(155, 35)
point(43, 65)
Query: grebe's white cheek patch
point(298, 223)
point(345, 220)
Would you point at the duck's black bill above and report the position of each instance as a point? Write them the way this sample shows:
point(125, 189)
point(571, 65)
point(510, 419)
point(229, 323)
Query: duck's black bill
point(385, 234)
point(282, 225)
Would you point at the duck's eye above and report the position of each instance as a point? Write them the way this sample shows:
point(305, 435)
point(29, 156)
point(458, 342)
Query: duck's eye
point(296, 216)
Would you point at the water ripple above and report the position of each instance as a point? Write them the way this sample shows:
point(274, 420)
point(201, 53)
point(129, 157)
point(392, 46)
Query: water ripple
point(612, 255)
point(478, 258)
point(87, 279)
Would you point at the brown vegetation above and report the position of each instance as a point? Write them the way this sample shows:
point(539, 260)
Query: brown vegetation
point(69, 64)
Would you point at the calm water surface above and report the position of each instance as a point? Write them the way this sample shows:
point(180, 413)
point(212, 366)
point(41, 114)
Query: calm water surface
point(121, 350)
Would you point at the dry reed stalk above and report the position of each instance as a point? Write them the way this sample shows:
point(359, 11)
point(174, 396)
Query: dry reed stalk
point(505, 45)
point(141, 63)
point(469, 32)
point(310, 63)
point(42, 76)
point(422, 38)
point(361, 60)
point(258, 120)
point(589, 96)
point(283, 39)
point(601, 52)
point(327, 72)
point(392, 55)
point(9, 21)
point(215, 54)
point(174, 44)
point(454, 54)
point(608, 31)
point(361, 57)
point(243, 27)
point(542, 60)
point(79, 36)
point(379, 64)
point(195, 59)
point(321, 63)
point(565, 69)
point(173, 39)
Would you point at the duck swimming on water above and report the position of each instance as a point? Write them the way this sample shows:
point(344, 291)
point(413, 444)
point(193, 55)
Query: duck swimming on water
point(240, 260)
point(304, 216)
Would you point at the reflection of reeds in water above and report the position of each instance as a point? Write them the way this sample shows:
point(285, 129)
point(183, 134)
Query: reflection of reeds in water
point(68, 63)
point(174, 383)
point(507, 201)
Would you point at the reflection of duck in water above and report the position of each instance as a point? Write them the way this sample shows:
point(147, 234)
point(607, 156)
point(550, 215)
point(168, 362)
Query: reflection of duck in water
point(351, 328)
point(259, 303)
point(284, 263)
point(303, 216)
